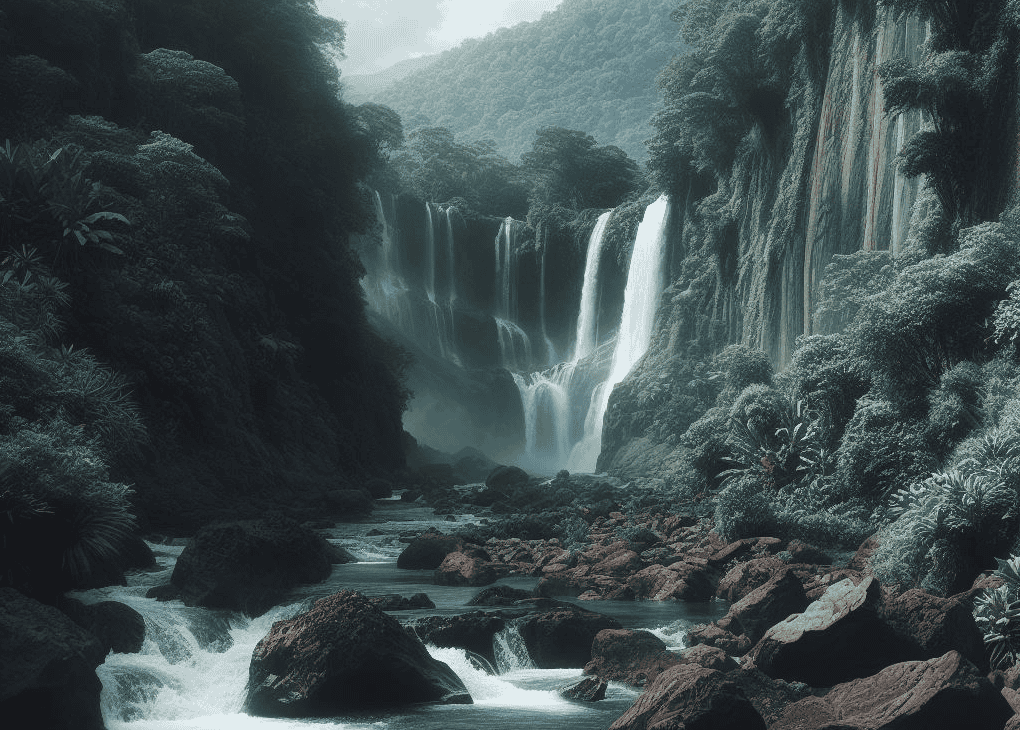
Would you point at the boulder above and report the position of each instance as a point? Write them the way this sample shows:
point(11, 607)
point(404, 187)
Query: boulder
point(499, 596)
point(743, 578)
point(693, 697)
point(802, 552)
point(561, 638)
point(624, 655)
point(249, 565)
point(837, 638)
point(649, 581)
point(396, 602)
point(714, 635)
point(47, 667)
point(503, 478)
point(118, 627)
point(344, 654)
point(339, 555)
point(769, 696)
point(695, 581)
point(946, 693)
point(765, 606)
point(427, 551)
point(862, 558)
point(619, 564)
point(589, 689)
point(472, 631)
point(931, 625)
point(710, 657)
point(461, 569)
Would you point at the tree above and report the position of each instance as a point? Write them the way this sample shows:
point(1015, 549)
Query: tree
point(571, 170)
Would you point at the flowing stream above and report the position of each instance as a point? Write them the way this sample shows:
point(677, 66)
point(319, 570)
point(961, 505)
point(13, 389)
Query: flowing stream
point(193, 667)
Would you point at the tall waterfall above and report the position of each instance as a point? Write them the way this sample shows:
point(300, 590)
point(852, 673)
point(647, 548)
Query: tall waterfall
point(514, 343)
point(640, 300)
point(587, 316)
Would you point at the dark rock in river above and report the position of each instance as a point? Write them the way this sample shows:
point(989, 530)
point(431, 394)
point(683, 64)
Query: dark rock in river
point(634, 657)
point(427, 551)
point(562, 637)
point(589, 689)
point(47, 667)
point(344, 654)
point(470, 631)
point(462, 569)
point(766, 606)
point(248, 566)
point(947, 693)
point(396, 602)
point(499, 596)
point(118, 627)
point(691, 696)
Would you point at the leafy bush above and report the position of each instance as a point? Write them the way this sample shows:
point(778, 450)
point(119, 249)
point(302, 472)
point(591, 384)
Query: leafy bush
point(743, 510)
point(997, 613)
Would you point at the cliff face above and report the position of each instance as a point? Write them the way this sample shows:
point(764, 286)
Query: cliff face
point(823, 182)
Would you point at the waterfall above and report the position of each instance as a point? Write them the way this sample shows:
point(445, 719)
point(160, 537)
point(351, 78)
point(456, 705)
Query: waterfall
point(545, 397)
point(585, 340)
point(452, 270)
point(430, 254)
point(510, 651)
point(550, 350)
point(640, 301)
point(514, 344)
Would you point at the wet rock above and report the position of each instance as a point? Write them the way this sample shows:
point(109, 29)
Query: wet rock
point(835, 639)
point(164, 593)
point(624, 655)
point(691, 696)
point(506, 477)
point(649, 581)
point(620, 564)
point(499, 596)
point(589, 689)
point(942, 694)
point(561, 638)
point(862, 558)
point(695, 581)
point(136, 554)
point(118, 627)
point(765, 606)
point(344, 654)
point(249, 565)
point(47, 667)
point(461, 569)
point(339, 555)
point(769, 696)
point(427, 551)
point(396, 602)
point(472, 631)
point(801, 552)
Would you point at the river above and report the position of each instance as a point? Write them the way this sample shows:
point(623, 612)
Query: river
point(192, 669)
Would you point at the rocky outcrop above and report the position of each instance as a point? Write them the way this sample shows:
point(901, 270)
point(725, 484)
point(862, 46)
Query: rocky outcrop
point(342, 655)
point(766, 606)
point(691, 696)
point(47, 667)
point(948, 692)
point(589, 689)
point(499, 596)
point(249, 565)
point(561, 638)
point(396, 602)
point(929, 626)
point(624, 655)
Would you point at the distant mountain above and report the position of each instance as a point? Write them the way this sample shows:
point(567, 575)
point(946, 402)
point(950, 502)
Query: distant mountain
point(359, 88)
point(588, 65)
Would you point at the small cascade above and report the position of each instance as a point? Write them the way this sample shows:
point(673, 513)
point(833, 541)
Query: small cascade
point(430, 254)
point(550, 350)
point(451, 261)
point(486, 689)
point(640, 301)
point(546, 400)
point(587, 316)
point(510, 651)
point(514, 343)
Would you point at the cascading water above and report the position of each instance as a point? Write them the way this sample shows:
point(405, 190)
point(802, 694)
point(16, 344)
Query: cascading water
point(640, 301)
point(587, 316)
point(514, 343)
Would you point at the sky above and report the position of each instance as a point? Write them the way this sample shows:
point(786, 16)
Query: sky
point(383, 32)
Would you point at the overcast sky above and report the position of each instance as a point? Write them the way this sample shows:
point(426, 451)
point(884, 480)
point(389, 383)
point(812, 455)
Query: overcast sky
point(383, 32)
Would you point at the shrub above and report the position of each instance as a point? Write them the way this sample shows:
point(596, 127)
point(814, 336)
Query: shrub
point(997, 613)
point(743, 510)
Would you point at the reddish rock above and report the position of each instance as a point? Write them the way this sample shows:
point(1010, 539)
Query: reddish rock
point(745, 577)
point(836, 639)
point(710, 657)
point(816, 585)
point(562, 638)
point(1013, 723)
point(734, 551)
point(47, 667)
point(344, 654)
point(564, 582)
point(862, 558)
point(713, 635)
point(1012, 697)
point(947, 693)
point(649, 581)
point(624, 655)
point(695, 581)
point(620, 564)
point(589, 689)
point(691, 696)
point(461, 569)
point(804, 553)
point(427, 551)
point(931, 625)
point(766, 605)
point(769, 696)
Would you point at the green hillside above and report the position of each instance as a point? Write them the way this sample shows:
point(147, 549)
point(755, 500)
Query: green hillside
point(589, 65)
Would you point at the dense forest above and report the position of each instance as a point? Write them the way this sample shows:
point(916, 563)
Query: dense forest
point(588, 64)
